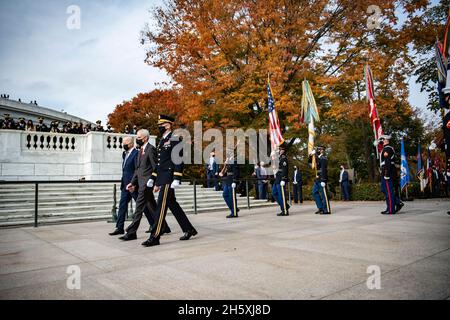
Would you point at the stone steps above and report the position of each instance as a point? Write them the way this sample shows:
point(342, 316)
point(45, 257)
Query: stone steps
point(56, 199)
point(61, 203)
point(28, 220)
point(83, 206)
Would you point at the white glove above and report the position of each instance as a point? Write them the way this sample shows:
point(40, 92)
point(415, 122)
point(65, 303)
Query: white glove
point(387, 178)
point(313, 152)
point(233, 185)
point(282, 183)
point(376, 143)
point(175, 184)
point(150, 183)
point(323, 184)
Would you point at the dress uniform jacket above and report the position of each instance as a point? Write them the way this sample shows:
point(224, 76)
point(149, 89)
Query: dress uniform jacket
point(322, 168)
point(387, 162)
point(282, 173)
point(166, 170)
point(231, 174)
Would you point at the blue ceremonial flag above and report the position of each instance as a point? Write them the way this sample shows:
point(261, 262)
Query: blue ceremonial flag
point(404, 174)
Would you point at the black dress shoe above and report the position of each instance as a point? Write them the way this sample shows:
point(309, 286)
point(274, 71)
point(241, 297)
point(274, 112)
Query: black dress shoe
point(318, 211)
point(399, 207)
point(232, 216)
point(117, 232)
point(151, 242)
point(280, 214)
point(384, 212)
point(128, 237)
point(188, 235)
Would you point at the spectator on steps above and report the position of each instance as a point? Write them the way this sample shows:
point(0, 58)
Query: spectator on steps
point(30, 126)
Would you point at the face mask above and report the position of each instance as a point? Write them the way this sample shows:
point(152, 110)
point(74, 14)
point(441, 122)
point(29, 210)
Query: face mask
point(140, 142)
point(161, 130)
point(126, 147)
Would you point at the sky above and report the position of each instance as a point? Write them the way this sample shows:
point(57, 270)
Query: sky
point(87, 71)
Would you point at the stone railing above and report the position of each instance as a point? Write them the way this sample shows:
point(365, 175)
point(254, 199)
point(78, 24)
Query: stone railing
point(50, 141)
point(57, 156)
point(114, 142)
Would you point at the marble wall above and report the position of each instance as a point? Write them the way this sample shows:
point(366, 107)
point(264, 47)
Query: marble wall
point(26, 156)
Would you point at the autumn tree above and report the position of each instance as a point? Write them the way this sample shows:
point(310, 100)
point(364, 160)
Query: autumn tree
point(143, 110)
point(425, 27)
point(219, 55)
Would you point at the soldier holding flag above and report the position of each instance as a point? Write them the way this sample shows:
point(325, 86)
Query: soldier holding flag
point(387, 167)
point(320, 185)
point(279, 186)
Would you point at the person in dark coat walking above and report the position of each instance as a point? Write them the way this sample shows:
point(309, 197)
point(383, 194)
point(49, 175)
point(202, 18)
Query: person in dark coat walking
point(345, 183)
point(297, 182)
point(129, 159)
point(145, 166)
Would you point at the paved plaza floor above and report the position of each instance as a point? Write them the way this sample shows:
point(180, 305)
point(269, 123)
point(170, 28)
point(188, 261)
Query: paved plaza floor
point(257, 256)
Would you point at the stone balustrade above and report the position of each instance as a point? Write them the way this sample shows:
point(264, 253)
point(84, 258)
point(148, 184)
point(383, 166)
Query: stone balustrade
point(58, 156)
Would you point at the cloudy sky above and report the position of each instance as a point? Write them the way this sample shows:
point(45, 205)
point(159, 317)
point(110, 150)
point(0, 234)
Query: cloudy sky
point(85, 72)
point(88, 71)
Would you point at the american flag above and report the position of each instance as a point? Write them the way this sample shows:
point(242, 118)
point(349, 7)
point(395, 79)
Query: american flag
point(274, 124)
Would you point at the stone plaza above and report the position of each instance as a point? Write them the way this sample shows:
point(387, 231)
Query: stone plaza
point(257, 256)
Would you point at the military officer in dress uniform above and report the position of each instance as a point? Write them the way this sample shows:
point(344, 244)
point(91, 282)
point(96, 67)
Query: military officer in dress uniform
point(99, 127)
point(320, 193)
point(41, 126)
point(9, 123)
point(167, 177)
point(21, 125)
point(229, 175)
point(281, 178)
point(387, 167)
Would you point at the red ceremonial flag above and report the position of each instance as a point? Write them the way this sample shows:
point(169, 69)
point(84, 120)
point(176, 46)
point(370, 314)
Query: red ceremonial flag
point(373, 112)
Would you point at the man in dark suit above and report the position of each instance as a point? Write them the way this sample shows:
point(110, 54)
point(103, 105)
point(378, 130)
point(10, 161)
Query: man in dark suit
point(261, 176)
point(297, 181)
point(145, 166)
point(166, 178)
point(343, 180)
point(212, 171)
point(129, 158)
